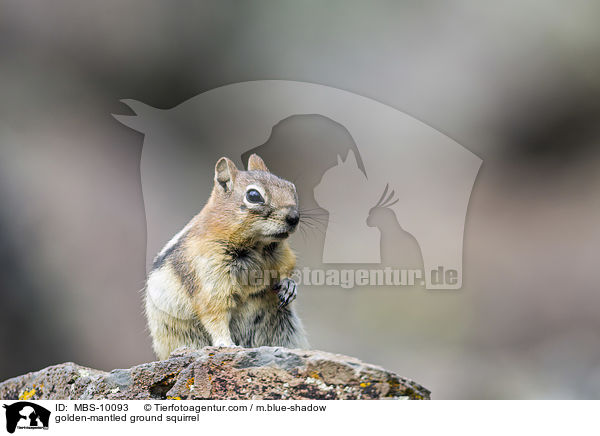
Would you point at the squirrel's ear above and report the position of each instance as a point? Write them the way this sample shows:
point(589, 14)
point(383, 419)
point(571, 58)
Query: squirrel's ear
point(255, 163)
point(225, 173)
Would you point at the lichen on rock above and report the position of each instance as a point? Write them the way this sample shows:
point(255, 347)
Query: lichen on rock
point(220, 373)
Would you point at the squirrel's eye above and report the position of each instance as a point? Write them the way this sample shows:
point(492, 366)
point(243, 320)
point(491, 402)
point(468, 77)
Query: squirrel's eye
point(253, 196)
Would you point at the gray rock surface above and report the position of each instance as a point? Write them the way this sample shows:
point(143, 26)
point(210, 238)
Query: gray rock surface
point(219, 373)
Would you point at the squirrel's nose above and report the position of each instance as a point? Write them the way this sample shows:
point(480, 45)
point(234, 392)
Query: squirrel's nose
point(292, 217)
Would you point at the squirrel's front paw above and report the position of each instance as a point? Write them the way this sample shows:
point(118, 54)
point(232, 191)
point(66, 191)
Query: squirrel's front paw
point(286, 291)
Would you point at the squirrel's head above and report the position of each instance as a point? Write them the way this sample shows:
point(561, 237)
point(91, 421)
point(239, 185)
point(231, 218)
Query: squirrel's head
point(254, 204)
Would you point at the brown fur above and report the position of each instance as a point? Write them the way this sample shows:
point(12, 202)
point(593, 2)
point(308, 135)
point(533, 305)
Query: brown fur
point(196, 291)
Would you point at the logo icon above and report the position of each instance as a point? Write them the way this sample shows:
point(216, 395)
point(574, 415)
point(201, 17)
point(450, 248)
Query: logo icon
point(390, 190)
point(26, 415)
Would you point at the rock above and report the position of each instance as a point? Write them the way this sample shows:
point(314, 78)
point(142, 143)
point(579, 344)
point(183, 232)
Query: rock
point(219, 373)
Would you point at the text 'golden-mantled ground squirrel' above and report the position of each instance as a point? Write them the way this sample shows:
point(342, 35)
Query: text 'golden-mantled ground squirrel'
point(224, 279)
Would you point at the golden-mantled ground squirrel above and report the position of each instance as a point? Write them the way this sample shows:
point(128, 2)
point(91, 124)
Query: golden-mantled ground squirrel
point(224, 279)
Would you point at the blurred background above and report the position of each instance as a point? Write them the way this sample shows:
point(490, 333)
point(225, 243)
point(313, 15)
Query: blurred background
point(517, 83)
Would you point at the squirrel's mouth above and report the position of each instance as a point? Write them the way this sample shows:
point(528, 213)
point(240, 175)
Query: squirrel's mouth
point(280, 235)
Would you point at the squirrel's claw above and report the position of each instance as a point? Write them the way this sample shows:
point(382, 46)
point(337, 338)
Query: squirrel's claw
point(286, 291)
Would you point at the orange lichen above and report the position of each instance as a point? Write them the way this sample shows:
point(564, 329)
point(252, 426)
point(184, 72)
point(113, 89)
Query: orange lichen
point(26, 395)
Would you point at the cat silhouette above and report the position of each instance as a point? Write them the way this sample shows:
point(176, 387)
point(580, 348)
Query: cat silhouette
point(19, 413)
point(345, 192)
